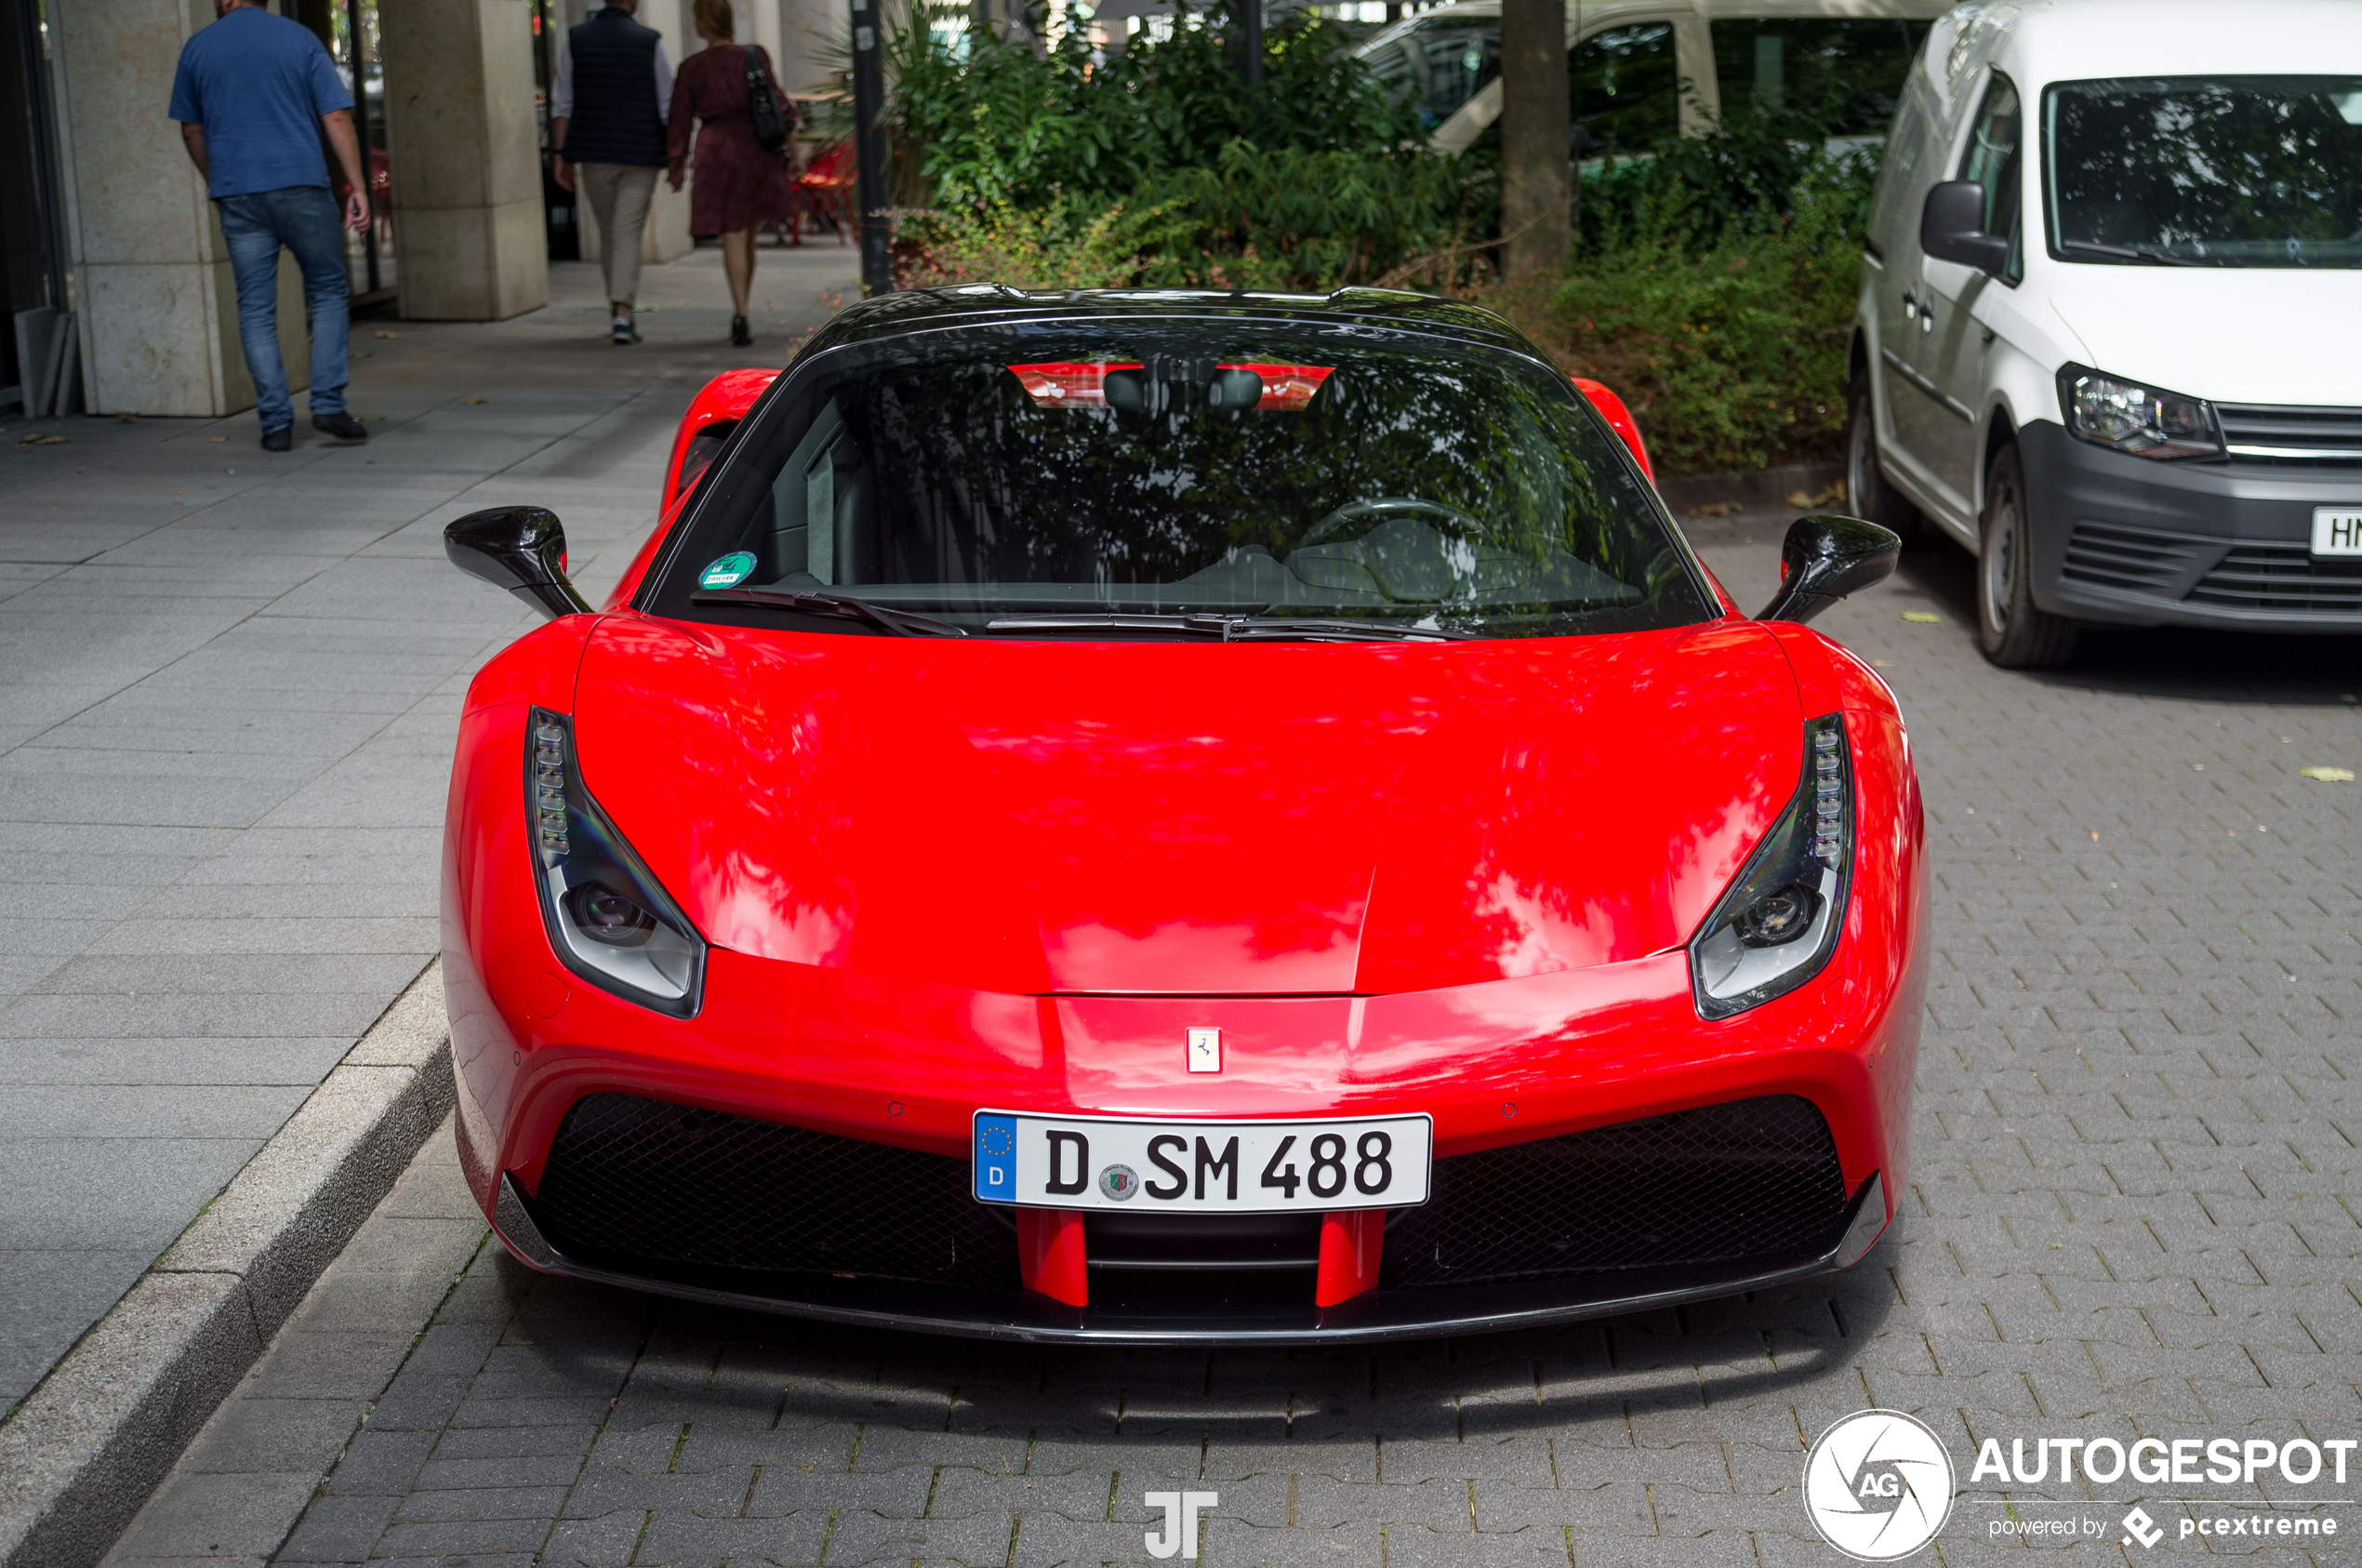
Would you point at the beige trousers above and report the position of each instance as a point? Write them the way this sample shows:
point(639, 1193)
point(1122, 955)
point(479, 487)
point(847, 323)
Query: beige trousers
point(618, 194)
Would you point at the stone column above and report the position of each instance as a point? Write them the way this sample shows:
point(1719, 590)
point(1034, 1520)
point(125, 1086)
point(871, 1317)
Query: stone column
point(157, 308)
point(666, 236)
point(464, 154)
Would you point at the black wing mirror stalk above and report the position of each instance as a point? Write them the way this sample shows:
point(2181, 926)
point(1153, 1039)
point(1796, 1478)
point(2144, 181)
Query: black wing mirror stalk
point(1952, 228)
point(521, 549)
point(1825, 558)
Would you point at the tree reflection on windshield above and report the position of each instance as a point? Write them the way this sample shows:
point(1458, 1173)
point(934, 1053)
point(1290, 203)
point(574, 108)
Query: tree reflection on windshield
point(1459, 489)
point(2233, 171)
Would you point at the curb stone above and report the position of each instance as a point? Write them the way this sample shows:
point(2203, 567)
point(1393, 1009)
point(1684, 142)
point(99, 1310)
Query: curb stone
point(86, 1448)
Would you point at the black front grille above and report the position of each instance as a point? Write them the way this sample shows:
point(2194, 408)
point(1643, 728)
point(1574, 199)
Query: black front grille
point(2282, 576)
point(2133, 560)
point(650, 1188)
point(1752, 1179)
point(2301, 438)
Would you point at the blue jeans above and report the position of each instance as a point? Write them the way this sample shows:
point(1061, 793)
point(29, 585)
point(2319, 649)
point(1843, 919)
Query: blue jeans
point(304, 220)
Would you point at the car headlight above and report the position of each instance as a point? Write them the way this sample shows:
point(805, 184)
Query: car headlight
point(2137, 418)
point(607, 919)
point(1777, 925)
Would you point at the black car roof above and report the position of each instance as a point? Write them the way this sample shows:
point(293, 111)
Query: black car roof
point(908, 310)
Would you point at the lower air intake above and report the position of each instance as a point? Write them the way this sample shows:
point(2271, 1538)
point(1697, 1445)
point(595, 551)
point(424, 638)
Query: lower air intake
point(1752, 1179)
point(654, 1189)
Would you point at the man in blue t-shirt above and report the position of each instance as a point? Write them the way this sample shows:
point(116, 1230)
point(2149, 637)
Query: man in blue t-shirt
point(253, 94)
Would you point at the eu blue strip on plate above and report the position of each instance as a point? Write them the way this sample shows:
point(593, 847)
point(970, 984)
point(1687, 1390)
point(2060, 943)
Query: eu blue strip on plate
point(996, 1158)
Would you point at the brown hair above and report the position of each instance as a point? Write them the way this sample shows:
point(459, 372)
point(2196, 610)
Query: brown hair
point(714, 17)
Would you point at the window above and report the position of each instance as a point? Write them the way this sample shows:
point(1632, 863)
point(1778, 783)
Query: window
point(1438, 62)
point(1845, 73)
point(1624, 90)
point(2219, 171)
point(1231, 468)
point(1991, 159)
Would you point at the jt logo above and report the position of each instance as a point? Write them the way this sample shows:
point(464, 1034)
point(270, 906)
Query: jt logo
point(1180, 1522)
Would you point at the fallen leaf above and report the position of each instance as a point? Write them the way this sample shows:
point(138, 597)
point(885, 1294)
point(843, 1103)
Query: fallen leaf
point(1923, 618)
point(2327, 775)
point(45, 441)
point(1716, 508)
point(128, 419)
point(2095, 838)
point(217, 440)
point(1828, 495)
point(475, 400)
point(373, 419)
point(389, 334)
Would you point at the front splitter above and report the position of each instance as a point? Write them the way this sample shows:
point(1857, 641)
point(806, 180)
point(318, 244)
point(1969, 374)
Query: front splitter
point(1373, 1318)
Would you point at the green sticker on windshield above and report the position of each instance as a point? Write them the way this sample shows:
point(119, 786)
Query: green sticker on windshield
point(728, 572)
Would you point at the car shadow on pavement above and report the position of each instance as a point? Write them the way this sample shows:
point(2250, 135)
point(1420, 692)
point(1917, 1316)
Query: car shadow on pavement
point(694, 1363)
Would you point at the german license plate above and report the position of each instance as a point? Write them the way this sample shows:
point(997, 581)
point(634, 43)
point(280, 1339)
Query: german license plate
point(1202, 1167)
point(2337, 530)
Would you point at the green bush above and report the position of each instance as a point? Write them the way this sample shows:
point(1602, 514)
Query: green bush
point(1157, 166)
point(1714, 289)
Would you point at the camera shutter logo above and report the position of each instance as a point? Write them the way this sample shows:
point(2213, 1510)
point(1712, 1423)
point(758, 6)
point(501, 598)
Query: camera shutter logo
point(1878, 1485)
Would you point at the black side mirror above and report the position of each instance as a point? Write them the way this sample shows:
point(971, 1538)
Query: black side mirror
point(1952, 228)
point(1825, 558)
point(518, 548)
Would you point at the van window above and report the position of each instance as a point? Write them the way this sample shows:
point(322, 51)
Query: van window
point(1991, 159)
point(1623, 89)
point(1845, 73)
point(2217, 171)
point(1438, 62)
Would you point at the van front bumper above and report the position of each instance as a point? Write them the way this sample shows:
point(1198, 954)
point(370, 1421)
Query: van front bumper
point(2122, 540)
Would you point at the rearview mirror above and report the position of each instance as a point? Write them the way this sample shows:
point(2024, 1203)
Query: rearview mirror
point(1825, 558)
point(521, 549)
point(1952, 228)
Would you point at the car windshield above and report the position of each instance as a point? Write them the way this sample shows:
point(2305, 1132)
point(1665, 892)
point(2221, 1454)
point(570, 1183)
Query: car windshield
point(1218, 477)
point(2224, 171)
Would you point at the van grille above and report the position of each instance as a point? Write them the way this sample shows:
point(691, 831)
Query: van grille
point(2282, 576)
point(2258, 433)
point(2131, 560)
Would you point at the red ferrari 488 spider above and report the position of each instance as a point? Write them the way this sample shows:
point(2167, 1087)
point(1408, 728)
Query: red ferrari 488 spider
point(1162, 817)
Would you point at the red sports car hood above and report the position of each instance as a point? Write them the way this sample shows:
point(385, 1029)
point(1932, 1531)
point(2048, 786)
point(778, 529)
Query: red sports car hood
point(1186, 818)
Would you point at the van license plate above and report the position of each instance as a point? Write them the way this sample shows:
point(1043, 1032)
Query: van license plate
point(2337, 530)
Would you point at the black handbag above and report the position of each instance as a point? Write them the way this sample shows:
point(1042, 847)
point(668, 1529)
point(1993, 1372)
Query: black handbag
point(771, 126)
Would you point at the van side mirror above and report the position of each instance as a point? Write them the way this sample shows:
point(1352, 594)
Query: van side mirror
point(1952, 228)
point(521, 549)
point(1825, 558)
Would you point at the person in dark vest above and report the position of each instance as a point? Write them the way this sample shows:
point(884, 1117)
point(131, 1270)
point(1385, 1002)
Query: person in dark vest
point(612, 90)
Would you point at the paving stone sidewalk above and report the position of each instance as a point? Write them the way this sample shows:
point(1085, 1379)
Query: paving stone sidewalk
point(229, 682)
point(2132, 1214)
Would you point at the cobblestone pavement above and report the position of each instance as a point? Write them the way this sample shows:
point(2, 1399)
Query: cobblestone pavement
point(2130, 1216)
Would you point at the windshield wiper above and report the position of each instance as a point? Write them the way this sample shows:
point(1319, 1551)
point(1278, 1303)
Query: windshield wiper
point(2133, 253)
point(901, 623)
point(1234, 628)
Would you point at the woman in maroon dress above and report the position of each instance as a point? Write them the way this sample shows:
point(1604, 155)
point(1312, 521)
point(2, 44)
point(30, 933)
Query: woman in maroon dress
point(739, 186)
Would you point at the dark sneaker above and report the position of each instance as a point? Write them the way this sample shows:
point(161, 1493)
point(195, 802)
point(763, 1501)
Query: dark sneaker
point(278, 440)
point(624, 329)
point(344, 427)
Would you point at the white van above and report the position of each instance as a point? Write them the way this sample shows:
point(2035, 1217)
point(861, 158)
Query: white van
point(2110, 326)
point(1627, 61)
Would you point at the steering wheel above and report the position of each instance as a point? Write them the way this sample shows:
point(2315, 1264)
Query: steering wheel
point(1382, 506)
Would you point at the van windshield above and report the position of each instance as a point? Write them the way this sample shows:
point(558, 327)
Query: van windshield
point(2218, 171)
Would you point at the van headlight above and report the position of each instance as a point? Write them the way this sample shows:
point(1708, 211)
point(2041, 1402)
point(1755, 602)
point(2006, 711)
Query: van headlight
point(1777, 925)
point(607, 919)
point(2141, 419)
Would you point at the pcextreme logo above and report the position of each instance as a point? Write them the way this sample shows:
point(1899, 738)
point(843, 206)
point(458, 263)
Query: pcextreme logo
point(1878, 1485)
